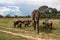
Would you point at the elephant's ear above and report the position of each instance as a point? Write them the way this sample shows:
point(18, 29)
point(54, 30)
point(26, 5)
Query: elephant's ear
point(39, 13)
point(33, 15)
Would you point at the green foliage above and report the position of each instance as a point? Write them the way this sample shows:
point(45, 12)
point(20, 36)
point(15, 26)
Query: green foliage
point(1, 16)
point(48, 12)
point(7, 16)
point(43, 7)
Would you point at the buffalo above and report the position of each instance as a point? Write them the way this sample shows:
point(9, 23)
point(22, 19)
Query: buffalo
point(48, 24)
point(18, 23)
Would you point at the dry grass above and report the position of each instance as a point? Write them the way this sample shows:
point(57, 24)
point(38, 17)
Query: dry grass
point(7, 24)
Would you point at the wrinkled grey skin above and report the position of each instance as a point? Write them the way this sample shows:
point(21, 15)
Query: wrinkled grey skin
point(35, 19)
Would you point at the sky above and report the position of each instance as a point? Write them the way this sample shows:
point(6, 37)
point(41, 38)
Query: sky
point(25, 7)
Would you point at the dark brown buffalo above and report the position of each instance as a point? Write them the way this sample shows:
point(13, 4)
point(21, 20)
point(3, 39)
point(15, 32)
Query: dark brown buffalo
point(48, 24)
point(27, 23)
point(18, 23)
point(35, 19)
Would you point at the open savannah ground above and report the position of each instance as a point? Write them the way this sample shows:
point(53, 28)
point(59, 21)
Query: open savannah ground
point(8, 32)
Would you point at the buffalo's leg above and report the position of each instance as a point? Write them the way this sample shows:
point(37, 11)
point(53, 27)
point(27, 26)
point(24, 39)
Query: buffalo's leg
point(50, 28)
point(20, 25)
point(14, 24)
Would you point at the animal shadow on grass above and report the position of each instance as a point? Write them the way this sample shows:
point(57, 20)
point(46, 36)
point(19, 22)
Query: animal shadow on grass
point(45, 29)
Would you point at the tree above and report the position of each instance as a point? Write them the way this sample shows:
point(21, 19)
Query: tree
point(8, 16)
point(43, 7)
point(54, 11)
point(48, 11)
point(1, 16)
point(16, 16)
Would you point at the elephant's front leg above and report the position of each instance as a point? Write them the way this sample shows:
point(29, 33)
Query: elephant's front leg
point(37, 27)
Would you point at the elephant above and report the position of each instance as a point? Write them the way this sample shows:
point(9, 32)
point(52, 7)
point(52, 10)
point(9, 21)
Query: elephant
point(35, 19)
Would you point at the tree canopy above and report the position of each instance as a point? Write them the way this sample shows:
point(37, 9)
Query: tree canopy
point(49, 11)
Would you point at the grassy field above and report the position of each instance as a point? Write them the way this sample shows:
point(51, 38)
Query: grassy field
point(5, 36)
point(7, 25)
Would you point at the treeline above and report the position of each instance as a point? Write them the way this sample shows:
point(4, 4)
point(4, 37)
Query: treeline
point(49, 12)
point(16, 16)
point(46, 12)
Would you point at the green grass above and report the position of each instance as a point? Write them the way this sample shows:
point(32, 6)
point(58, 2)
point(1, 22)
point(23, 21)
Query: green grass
point(6, 36)
point(7, 24)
